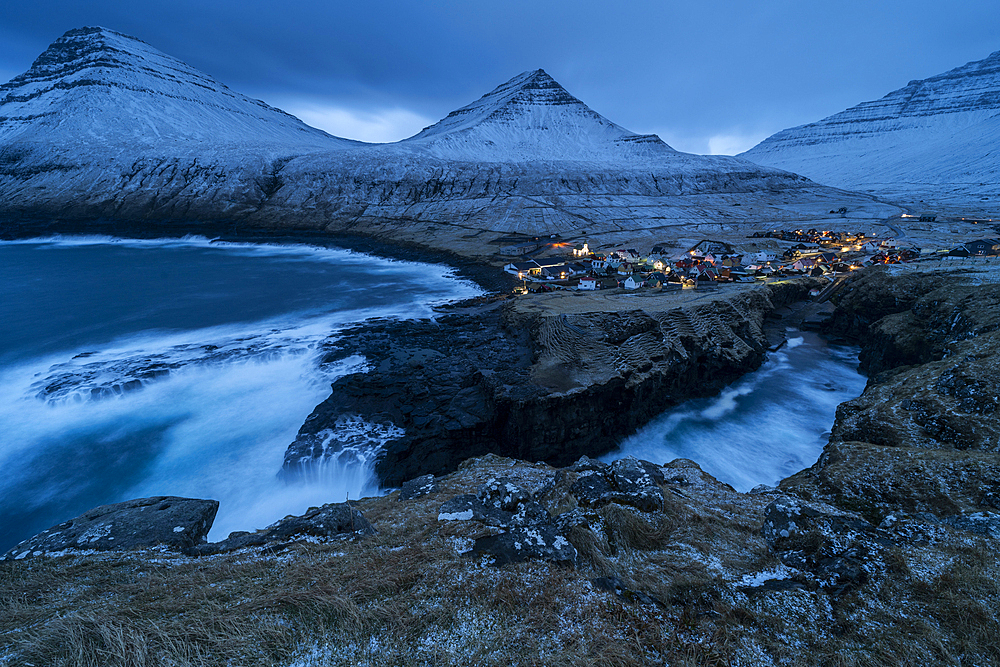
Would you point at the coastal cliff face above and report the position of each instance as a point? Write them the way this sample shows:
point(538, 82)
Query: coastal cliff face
point(883, 553)
point(528, 386)
point(924, 436)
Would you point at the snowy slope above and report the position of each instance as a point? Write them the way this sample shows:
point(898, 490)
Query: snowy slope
point(932, 138)
point(105, 127)
point(98, 87)
point(531, 117)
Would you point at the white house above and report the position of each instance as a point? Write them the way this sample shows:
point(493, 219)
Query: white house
point(587, 282)
point(634, 281)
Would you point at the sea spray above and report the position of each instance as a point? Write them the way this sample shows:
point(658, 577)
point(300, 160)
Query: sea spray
point(767, 425)
point(236, 335)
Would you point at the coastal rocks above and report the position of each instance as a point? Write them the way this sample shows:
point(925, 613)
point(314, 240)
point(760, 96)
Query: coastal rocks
point(833, 546)
point(528, 543)
point(333, 520)
point(173, 522)
point(421, 486)
point(627, 481)
point(923, 439)
point(494, 378)
point(528, 532)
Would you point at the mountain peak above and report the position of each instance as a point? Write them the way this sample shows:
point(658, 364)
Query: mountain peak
point(98, 86)
point(531, 116)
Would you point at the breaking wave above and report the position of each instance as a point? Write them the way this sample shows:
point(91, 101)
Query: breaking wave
point(766, 426)
point(117, 398)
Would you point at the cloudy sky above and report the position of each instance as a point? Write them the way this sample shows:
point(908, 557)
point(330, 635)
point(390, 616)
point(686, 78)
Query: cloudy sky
point(708, 76)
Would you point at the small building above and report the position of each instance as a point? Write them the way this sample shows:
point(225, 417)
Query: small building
point(520, 269)
point(983, 247)
point(519, 248)
point(587, 283)
point(634, 281)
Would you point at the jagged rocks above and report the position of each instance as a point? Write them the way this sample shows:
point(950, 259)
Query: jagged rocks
point(329, 521)
point(170, 521)
point(503, 380)
point(923, 438)
point(834, 546)
point(627, 481)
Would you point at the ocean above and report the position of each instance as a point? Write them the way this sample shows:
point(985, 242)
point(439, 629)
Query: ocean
point(133, 368)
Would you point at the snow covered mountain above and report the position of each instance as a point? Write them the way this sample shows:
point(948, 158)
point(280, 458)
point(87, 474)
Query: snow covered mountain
point(532, 117)
point(936, 139)
point(104, 127)
point(100, 88)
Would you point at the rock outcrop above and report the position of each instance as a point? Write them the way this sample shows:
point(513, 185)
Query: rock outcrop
point(333, 520)
point(531, 387)
point(169, 521)
point(924, 436)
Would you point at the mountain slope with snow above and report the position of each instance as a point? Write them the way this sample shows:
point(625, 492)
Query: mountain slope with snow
point(936, 139)
point(105, 127)
point(532, 117)
point(100, 88)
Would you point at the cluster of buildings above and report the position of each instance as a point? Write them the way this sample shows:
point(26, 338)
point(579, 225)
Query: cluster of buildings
point(665, 267)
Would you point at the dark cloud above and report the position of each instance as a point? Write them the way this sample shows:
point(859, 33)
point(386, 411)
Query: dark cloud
point(692, 70)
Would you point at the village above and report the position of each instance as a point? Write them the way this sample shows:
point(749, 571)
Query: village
point(551, 264)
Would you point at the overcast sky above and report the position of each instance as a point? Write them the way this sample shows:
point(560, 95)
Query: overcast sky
point(708, 76)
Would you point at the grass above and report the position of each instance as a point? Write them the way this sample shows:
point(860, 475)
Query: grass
point(408, 597)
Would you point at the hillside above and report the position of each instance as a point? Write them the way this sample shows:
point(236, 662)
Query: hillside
point(933, 140)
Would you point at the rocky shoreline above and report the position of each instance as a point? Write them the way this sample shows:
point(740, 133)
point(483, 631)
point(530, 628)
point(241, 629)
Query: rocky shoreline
point(488, 377)
point(883, 552)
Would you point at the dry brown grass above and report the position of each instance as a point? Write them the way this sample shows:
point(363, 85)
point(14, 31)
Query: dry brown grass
point(408, 597)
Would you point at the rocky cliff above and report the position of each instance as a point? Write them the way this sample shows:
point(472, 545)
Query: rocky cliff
point(924, 436)
point(540, 388)
point(883, 553)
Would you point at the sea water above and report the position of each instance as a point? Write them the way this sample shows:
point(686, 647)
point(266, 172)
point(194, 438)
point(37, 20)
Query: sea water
point(764, 427)
point(179, 367)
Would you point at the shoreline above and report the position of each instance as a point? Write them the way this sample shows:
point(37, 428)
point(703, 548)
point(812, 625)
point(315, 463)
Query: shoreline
point(490, 278)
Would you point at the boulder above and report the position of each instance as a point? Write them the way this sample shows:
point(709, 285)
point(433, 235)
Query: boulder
point(627, 481)
point(503, 494)
point(526, 543)
point(170, 521)
point(470, 508)
point(832, 545)
point(421, 486)
point(329, 521)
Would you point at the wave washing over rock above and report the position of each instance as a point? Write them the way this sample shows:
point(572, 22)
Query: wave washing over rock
point(190, 377)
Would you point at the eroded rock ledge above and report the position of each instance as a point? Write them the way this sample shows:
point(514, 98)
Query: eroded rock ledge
point(491, 378)
point(924, 437)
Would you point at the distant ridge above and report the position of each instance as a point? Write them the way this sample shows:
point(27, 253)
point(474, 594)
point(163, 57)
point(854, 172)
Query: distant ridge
point(936, 139)
point(105, 127)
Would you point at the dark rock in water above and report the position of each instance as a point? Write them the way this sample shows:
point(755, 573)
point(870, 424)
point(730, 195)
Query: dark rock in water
point(177, 523)
point(332, 520)
point(527, 543)
point(421, 486)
